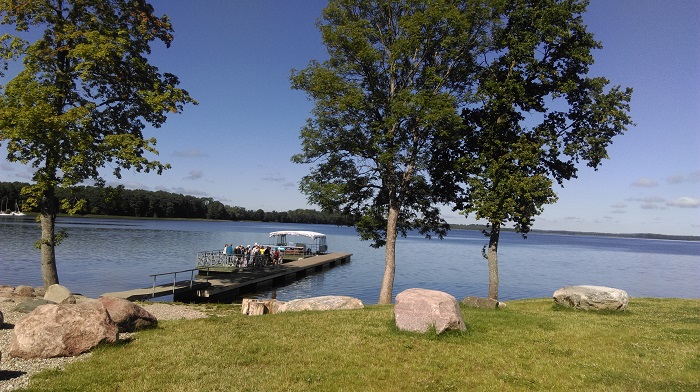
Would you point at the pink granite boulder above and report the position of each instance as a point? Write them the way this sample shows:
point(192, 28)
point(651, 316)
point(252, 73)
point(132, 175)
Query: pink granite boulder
point(62, 330)
point(127, 315)
point(418, 310)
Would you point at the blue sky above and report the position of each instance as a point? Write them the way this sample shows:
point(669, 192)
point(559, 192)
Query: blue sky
point(235, 58)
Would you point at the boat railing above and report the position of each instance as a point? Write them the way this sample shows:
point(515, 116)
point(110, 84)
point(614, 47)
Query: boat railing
point(212, 258)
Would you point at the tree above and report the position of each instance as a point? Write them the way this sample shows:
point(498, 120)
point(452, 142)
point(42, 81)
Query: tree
point(537, 116)
point(83, 98)
point(390, 88)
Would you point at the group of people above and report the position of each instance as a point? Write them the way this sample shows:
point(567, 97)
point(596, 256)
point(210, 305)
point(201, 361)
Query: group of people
point(247, 255)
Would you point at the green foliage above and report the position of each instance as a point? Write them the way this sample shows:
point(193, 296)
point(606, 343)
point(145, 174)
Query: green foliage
point(538, 113)
point(84, 96)
point(388, 90)
point(388, 93)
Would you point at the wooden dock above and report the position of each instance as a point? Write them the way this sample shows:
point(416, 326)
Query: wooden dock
point(226, 286)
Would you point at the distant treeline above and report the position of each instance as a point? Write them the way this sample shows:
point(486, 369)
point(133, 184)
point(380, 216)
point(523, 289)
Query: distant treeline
point(588, 233)
point(119, 201)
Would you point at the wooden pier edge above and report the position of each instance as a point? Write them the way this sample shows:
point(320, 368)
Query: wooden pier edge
point(230, 285)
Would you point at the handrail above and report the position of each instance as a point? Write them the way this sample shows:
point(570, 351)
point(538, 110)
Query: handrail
point(174, 273)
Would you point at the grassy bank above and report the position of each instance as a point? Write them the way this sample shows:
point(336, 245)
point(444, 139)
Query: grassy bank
point(530, 345)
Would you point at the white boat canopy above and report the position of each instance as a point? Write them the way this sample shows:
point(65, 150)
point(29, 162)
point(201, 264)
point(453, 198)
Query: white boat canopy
point(310, 234)
point(319, 247)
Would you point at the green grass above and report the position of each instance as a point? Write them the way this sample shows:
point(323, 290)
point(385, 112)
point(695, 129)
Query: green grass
point(530, 345)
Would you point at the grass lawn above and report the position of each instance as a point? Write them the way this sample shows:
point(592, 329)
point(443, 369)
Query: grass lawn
point(530, 345)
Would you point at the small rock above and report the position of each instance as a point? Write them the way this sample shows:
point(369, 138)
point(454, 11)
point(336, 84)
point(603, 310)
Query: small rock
point(58, 294)
point(31, 304)
point(6, 291)
point(24, 291)
point(128, 316)
point(39, 291)
point(478, 302)
point(257, 307)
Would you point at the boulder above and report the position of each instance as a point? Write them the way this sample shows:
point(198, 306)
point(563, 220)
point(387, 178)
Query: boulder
point(30, 304)
point(483, 303)
point(592, 298)
point(2, 319)
point(59, 294)
point(418, 310)
point(127, 315)
point(23, 291)
point(329, 302)
point(62, 330)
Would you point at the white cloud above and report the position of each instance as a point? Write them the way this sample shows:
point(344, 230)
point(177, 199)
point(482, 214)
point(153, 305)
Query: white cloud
point(194, 174)
point(645, 183)
point(694, 176)
point(684, 202)
point(191, 192)
point(675, 179)
point(273, 179)
point(191, 153)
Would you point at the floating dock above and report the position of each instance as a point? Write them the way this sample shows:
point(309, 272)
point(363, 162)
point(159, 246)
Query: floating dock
point(223, 287)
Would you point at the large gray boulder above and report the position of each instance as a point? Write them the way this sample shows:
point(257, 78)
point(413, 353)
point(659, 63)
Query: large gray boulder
point(592, 298)
point(127, 315)
point(329, 302)
point(59, 294)
point(62, 330)
point(418, 310)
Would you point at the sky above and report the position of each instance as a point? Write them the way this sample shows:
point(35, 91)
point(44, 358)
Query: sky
point(235, 58)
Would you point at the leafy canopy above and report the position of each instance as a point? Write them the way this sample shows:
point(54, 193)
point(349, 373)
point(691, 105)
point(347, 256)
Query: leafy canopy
point(537, 113)
point(86, 91)
point(391, 87)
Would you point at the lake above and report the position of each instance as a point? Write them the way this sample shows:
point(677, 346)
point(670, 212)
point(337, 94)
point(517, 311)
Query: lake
point(104, 255)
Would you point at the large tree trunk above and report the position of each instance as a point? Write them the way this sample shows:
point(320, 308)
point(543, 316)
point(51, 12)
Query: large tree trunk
point(49, 272)
point(493, 260)
point(387, 289)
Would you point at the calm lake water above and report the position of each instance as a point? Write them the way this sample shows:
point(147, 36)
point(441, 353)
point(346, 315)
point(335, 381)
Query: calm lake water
point(103, 255)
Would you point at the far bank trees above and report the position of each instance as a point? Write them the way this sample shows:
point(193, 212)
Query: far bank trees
point(83, 98)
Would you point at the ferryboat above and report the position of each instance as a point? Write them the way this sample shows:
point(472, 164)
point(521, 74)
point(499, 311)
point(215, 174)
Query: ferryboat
point(284, 248)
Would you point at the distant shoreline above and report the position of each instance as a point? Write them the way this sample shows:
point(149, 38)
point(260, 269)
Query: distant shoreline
point(649, 236)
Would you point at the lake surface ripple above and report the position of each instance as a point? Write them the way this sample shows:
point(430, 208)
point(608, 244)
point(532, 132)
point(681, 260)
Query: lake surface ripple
point(103, 255)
